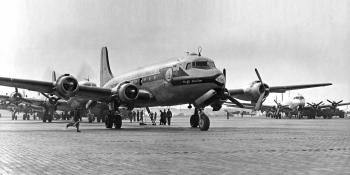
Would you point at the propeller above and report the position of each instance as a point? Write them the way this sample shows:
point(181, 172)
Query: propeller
point(334, 103)
point(314, 105)
point(264, 90)
point(226, 95)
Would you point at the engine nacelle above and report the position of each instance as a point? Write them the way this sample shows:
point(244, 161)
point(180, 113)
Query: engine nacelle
point(125, 92)
point(256, 89)
point(66, 86)
point(16, 96)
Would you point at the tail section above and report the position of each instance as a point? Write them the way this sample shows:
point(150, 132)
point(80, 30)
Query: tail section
point(105, 70)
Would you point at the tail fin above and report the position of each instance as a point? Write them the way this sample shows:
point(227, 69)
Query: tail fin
point(105, 70)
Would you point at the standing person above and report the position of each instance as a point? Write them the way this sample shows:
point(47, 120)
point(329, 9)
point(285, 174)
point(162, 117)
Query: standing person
point(130, 116)
point(155, 118)
point(228, 115)
point(161, 117)
point(169, 115)
point(141, 116)
point(134, 116)
point(151, 117)
point(138, 115)
point(75, 121)
point(165, 117)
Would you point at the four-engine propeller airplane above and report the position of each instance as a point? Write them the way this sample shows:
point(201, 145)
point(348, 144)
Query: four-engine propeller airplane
point(192, 79)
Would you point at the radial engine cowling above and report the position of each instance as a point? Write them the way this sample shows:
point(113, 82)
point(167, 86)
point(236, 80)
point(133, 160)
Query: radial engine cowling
point(16, 96)
point(257, 89)
point(125, 92)
point(66, 86)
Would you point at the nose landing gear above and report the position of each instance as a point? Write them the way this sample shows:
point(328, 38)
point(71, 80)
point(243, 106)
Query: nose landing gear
point(199, 118)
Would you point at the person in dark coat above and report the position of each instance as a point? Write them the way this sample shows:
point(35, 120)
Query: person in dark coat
point(161, 117)
point(169, 115)
point(141, 116)
point(165, 117)
point(134, 115)
point(138, 115)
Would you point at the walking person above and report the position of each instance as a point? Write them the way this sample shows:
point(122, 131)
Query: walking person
point(75, 121)
point(169, 114)
point(138, 115)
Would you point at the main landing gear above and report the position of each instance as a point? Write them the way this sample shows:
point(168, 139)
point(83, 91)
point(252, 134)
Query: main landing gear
point(199, 118)
point(113, 118)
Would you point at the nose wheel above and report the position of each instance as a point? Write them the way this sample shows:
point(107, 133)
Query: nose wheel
point(194, 121)
point(199, 118)
point(204, 122)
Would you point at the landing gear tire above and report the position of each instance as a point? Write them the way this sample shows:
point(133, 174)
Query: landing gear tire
point(118, 121)
point(204, 122)
point(194, 121)
point(50, 120)
point(109, 121)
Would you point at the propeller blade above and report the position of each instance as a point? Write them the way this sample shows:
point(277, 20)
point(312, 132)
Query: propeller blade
point(16, 89)
point(329, 101)
point(309, 104)
point(275, 101)
point(319, 103)
point(257, 73)
point(45, 95)
point(259, 102)
point(53, 76)
point(224, 72)
point(340, 101)
point(235, 101)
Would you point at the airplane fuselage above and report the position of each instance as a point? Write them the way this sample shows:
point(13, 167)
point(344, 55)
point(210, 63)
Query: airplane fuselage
point(174, 83)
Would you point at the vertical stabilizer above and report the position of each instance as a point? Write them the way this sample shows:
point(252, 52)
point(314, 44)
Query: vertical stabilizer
point(105, 70)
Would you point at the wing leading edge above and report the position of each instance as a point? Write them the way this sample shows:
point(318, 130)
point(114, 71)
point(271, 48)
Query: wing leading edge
point(95, 93)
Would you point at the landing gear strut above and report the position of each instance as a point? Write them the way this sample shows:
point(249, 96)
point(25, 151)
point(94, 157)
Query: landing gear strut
point(194, 120)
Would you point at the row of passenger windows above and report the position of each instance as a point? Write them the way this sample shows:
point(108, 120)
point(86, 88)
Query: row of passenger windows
point(145, 79)
point(201, 65)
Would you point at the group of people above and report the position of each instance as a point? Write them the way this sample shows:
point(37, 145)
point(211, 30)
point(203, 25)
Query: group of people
point(165, 117)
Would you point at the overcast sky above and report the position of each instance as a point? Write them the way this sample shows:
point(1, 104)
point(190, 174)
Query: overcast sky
point(290, 41)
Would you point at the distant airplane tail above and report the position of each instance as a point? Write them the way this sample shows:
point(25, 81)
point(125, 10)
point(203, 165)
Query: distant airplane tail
point(105, 70)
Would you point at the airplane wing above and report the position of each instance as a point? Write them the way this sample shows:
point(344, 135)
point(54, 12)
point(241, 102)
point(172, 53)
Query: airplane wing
point(329, 106)
point(278, 89)
point(87, 92)
point(283, 89)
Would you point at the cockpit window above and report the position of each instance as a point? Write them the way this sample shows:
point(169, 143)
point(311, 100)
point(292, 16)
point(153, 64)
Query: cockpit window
point(299, 98)
point(203, 64)
point(188, 66)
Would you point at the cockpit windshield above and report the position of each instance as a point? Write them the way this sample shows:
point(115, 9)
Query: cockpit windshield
point(201, 65)
point(299, 97)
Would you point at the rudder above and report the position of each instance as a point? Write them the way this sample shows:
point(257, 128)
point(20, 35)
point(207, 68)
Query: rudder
point(105, 70)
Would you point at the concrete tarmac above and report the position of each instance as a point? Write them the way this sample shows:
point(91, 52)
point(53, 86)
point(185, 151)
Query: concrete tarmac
point(249, 145)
